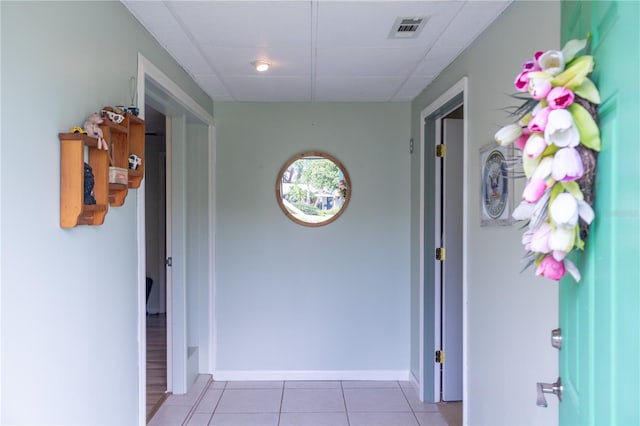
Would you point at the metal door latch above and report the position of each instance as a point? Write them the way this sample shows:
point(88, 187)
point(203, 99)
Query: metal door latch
point(556, 338)
point(554, 388)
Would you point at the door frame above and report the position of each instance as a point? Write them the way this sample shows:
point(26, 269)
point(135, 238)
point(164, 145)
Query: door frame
point(174, 95)
point(429, 317)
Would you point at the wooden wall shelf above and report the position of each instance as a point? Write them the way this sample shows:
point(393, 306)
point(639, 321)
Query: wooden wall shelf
point(73, 211)
point(123, 139)
point(136, 146)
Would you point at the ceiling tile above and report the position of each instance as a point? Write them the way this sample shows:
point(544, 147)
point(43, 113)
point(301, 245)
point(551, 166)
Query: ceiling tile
point(474, 18)
point(411, 88)
point(271, 89)
point(320, 50)
point(159, 21)
point(437, 60)
point(151, 12)
point(362, 89)
point(187, 53)
point(367, 61)
point(368, 23)
point(213, 86)
point(246, 23)
point(163, 26)
point(237, 61)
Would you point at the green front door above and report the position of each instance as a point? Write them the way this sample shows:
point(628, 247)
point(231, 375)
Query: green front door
point(600, 316)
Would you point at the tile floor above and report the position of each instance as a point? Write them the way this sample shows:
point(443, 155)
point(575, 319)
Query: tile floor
point(298, 403)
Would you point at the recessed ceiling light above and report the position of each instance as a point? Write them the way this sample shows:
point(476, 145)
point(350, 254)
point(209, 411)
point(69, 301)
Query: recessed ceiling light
point(261, 66)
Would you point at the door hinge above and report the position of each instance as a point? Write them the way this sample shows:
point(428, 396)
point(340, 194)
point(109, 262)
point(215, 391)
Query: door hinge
point(441, 151)
point(440, 357)
point(168, 261)
point(440, 253)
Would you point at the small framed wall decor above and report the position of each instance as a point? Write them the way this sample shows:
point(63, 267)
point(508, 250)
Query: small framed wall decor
point(496, 192)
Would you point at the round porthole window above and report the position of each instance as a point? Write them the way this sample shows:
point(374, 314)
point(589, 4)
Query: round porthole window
point(313, 188)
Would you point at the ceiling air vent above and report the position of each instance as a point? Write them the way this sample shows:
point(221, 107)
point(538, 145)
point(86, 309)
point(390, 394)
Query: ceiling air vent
point(407, 27)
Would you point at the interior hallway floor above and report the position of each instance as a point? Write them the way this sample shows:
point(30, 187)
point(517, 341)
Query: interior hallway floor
point(304, 403)
point(156, 362)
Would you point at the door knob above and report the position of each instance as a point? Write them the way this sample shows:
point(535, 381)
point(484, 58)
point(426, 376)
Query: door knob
point(556, 338)
point(554, 388)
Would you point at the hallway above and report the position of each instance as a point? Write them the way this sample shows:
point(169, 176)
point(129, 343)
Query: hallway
point(156, 362)
point(304, 403)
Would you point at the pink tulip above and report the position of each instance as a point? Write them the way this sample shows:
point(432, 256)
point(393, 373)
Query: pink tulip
point(530, 66)
point(551, 268)
point(534, 190)
point(540, 239)
point(539, 88)
point(536, 57)
point(539, 121)
point(535, 146)
point(522, 82)
point(526, 239)
point(560, 97)
point(522, 140)
point(567, 165)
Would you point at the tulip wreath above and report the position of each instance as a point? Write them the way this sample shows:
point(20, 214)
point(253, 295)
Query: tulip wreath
point(558, 139)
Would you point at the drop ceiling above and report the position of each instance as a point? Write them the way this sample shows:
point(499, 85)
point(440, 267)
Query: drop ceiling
point(319, 50)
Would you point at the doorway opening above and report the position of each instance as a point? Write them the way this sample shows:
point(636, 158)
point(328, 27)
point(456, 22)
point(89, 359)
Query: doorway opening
point(190, 163)
point(443, 225)
point(448, 263)
point(156, 254)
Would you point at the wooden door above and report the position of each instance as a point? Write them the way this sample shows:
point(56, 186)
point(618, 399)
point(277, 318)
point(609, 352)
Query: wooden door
point(600, 316)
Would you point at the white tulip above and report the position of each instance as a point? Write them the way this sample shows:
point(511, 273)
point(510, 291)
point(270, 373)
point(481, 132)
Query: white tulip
point(585, 211)
point(561, 130)
point(564, 210)
point(562, 239)
point(524, 211)
point(552, 61)
point(544, 168)
point(508, 134)
point(572, 269)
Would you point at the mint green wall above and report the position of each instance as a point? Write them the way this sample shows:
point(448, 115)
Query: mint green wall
point(69, 297)
point(509, 314)
point(294, 298)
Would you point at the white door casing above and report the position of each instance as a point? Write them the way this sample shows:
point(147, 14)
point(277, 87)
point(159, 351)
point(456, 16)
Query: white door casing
point(172, 96)
point(428, 317)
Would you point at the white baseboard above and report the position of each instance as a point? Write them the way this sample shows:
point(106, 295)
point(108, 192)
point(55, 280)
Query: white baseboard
point(231, 376)
point(414, 379)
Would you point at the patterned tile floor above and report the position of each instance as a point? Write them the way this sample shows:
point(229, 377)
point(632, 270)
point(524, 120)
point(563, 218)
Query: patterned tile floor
point(302, 403)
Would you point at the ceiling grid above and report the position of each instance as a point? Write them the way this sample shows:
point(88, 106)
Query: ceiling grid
point(319, 50)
